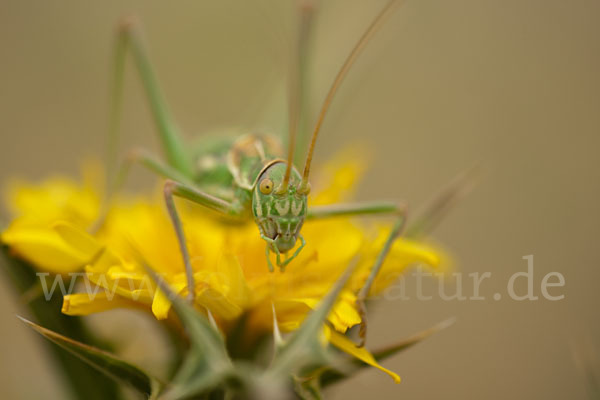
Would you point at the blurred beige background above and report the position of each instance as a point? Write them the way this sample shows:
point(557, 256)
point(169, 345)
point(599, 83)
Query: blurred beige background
point(514, 84)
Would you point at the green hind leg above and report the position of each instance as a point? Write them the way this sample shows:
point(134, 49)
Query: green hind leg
point(424, 223)
point(129, 39)
point(367, 209)
point(354, 209)
point(364, 290)
point(298, 86)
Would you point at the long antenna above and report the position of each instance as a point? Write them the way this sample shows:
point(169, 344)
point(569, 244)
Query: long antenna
point(360, 45)
point(306, 10)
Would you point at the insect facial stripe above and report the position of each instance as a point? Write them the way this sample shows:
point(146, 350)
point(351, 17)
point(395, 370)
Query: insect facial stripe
point(278, 224)
point(282, 207)
point(258, 204)
point(296, 208)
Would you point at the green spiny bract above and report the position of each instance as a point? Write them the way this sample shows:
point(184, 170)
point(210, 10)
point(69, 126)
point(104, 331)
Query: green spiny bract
point(297, 367)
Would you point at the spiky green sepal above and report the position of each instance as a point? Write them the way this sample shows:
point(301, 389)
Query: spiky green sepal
point(301, 363)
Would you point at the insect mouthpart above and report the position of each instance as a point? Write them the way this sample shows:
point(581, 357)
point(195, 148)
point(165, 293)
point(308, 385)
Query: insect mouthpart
point(288, 230)
point(285, 242)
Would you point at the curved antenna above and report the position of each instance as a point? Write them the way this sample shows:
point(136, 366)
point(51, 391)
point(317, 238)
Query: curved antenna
point(358, 47)
point(306, 10)
point(293, 132)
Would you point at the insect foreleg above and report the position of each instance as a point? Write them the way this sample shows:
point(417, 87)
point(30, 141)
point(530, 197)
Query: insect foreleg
point(281, 264)
point(298, 250)
point(178, 189)
point(267, 255)
point(277, 252)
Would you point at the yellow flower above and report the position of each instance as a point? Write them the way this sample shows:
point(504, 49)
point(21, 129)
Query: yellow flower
point(230, 270)
point(40, 210)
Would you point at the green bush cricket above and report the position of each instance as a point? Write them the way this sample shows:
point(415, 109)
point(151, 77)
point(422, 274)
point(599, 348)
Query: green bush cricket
point(246, 177)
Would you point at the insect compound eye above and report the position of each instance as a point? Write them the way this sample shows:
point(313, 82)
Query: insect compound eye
point(266, 186)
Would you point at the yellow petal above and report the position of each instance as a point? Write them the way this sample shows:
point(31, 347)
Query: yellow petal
point(45, 249)
point(161, 304)
point(53, 199)
point(403, 254)
point(339, 179)
point(231, 277)
point(219, 304)
point(346, 345)
point(141, 290)
point(103, 262)
point(336, 242)
point(414, 251)
point(117, 272)
point(78, 238)
point(85, 304)
point(342, 316)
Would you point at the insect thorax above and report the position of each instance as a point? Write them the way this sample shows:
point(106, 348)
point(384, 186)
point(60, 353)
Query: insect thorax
point(228, 167)
point(248, 156)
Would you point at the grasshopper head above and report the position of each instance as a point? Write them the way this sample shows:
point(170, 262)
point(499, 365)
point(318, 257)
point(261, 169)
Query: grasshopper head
point(279, 210)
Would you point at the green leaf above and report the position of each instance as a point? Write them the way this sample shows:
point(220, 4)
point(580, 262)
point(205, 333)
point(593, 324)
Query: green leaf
point(207, 363)
point(303, 347)
point(83, 381)
point(350, 366)
point(103, 361)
